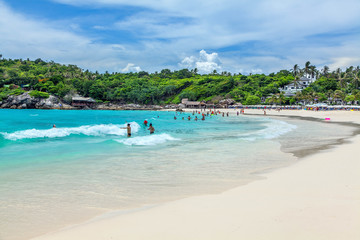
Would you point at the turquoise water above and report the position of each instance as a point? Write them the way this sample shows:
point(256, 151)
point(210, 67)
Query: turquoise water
point(86, 166)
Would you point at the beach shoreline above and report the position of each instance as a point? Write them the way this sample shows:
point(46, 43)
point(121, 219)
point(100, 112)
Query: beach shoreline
point(316, 198)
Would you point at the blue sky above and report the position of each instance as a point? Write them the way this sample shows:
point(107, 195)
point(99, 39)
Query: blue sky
point(247, 36)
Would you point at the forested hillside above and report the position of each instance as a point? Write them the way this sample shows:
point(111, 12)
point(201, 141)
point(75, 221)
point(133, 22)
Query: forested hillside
point(43, 78)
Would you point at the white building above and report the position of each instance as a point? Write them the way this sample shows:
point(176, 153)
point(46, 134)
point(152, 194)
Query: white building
point(292, 88)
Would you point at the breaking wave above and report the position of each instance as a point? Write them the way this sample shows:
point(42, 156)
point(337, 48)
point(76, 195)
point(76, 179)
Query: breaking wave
point(147, 140)
point(88, 130)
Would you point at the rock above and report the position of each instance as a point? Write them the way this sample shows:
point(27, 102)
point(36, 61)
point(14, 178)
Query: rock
point(22, 106)
point(227, 101)
point(24, 101)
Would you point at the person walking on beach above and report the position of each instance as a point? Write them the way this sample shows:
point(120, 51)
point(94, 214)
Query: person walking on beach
point(151, 128)
point(128, 128)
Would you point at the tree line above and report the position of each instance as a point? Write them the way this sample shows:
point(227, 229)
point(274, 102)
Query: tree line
point(169, 87)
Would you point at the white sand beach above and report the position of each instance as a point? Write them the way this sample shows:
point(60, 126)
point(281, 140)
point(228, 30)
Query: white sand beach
point(316, 198)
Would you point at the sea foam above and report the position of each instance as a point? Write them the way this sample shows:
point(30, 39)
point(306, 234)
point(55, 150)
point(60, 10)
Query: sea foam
point(89, 130)
point(147, 140)
point(273, 129)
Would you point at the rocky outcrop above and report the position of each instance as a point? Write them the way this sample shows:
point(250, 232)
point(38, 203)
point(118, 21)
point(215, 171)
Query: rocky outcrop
point(25, 101)
point(227, 101)
point(130, 106)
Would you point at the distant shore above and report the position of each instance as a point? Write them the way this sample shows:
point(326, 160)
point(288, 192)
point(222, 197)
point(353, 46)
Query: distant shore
point(316, 198)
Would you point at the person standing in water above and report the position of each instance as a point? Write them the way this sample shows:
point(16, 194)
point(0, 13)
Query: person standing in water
point(128, 128)
point(151, 128)
point(145, 122)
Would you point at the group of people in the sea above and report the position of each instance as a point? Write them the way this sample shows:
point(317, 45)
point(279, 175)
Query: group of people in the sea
point(128, 128)
point(205, 114)
point(208, 114)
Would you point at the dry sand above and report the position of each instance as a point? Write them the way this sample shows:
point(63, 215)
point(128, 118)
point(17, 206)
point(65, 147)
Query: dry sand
point(316, 198)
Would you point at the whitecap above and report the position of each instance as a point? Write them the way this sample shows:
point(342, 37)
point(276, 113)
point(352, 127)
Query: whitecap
point(89, 130)
point(147, 140)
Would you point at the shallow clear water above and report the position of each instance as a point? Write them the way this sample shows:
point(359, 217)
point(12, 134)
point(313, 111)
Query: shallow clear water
point(51, 177)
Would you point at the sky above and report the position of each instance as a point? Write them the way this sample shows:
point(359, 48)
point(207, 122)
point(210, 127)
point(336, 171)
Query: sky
point(237, 36)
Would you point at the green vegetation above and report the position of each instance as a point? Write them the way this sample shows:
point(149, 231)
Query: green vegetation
point(165, 87)
point(39, 94)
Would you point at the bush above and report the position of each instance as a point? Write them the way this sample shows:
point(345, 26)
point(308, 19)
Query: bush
point(38, 94)
point(17, 92)
point(252, 100)
point(3, 95)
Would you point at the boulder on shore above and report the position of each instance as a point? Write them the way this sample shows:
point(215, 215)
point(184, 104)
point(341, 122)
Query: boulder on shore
point(25, 101)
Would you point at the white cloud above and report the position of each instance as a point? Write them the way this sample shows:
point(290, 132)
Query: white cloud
point(262, 34)
point(205, 63)
point(35, 39)
point(344, 62)
point(130, 67)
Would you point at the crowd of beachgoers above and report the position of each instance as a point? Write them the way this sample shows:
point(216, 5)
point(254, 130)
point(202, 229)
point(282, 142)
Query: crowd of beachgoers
point(306, 107)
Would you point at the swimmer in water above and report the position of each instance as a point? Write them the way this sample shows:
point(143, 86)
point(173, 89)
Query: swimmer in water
point(151, 128)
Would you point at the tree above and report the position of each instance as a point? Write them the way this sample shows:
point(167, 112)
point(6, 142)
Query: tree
point(325, 71)
point(349, 98)
point(252, 100)
point(296, 72)
point(356, 77)
point(307, 68)
point(313, 71)
point(341, 77)
point(338, 94)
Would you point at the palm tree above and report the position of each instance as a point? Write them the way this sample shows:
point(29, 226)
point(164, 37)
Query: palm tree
point(325, 71)
point(339, 95)
point(280, 97)
point(313, 71)
point(307, 68)
point(341, 77)
point(329, 96)
point(273, 99)
point(356, 77)
point(299, 96)
point(296, 72)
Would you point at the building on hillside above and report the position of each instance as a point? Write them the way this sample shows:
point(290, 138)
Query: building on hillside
point(292, 88)
point(83, 102)
point(192, 104)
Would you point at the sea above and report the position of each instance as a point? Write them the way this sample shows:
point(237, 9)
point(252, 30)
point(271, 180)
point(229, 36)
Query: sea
point(52, 178)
